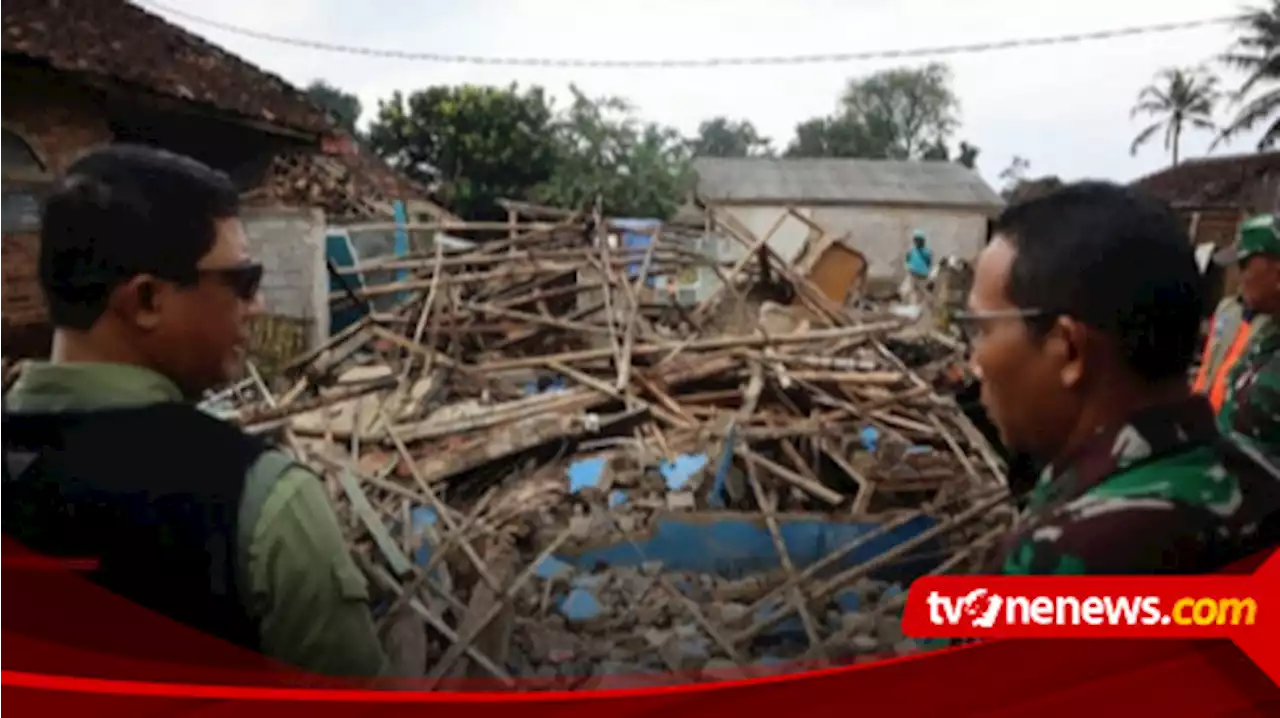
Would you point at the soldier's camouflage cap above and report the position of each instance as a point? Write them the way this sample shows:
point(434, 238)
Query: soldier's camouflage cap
point(1258, 235)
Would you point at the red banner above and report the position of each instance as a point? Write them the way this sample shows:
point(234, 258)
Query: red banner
point(74, 647)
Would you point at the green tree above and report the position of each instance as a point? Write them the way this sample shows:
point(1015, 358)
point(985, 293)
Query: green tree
point(904, 110)
point(1257, 54)
point(343, 107)
point(834, 136)
point(903, 113)
point(480, 143)
point(722, 137)
point(1178, 98)
point(602, 150)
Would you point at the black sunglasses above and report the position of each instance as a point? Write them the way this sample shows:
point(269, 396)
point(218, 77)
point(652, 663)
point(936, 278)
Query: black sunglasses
point(242, 279)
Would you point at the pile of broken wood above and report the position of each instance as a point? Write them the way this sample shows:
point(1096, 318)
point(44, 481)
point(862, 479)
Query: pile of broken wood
point(533, 400)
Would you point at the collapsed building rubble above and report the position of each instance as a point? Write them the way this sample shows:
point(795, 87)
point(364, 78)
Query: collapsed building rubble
point(566, 474)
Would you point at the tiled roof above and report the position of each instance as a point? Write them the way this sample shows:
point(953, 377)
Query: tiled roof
point(348, 182)
point(1233, 180)
point(123, 42)
point(854, 181)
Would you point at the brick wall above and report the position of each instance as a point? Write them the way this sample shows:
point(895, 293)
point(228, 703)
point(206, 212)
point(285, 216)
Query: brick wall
point(58, 119)
point(58, 122)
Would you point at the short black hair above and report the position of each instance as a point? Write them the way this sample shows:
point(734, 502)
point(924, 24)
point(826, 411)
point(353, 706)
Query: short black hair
point(1113, 258)
point(120, 211)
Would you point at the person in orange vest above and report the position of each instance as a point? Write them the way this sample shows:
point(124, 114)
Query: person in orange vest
point(1250, 407)
point(1228, 336)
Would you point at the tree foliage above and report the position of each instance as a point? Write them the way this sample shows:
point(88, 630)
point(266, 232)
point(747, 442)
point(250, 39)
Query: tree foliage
point(602, 150)
point(480, 143)
point(1179, 99)
point(722, 137)
point(903, 113)
point(343, 107)
point(1257, 54)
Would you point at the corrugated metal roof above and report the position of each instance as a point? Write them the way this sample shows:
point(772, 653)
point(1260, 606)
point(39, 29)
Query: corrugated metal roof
point(842, 181)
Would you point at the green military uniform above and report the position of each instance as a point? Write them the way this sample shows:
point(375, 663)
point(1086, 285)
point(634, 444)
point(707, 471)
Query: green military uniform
point(300, 582)
point(1251, 407)
point(1162, 493)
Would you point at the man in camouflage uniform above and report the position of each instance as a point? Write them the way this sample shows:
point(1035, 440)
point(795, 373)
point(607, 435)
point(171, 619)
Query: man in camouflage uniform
point(1251, 406)
point(1085, 316)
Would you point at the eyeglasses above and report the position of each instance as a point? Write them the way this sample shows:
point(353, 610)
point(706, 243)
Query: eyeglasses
point(970, 322)
point(242, 279)
point(962, 315)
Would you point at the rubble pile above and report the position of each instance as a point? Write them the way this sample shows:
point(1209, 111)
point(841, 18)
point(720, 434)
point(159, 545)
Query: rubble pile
point(526, 446)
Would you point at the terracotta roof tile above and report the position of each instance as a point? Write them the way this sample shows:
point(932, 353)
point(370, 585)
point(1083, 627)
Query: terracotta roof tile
point(1213, 181)
point(114, 39)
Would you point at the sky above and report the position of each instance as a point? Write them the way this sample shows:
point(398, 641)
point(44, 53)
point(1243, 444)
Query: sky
point(1064, 108)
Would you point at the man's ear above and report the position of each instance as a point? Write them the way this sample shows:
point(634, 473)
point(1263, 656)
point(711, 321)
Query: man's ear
point(138, 301)
point(1068, 343)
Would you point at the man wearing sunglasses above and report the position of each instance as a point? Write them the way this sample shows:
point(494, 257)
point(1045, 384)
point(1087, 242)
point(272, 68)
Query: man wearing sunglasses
point(1250, 406)
point(149, 283)
point(1085, 316)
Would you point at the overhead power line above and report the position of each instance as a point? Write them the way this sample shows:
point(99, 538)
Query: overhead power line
point(670, 63)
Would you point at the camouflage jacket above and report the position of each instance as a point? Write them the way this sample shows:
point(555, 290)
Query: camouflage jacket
point(1163, 493)
point(1251, 407)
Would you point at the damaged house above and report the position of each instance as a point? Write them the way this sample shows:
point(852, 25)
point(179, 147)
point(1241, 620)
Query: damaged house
point(83, 74)
point(1213, 195)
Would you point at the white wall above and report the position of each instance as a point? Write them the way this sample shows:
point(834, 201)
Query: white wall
point(290, 244)
point(883, 234)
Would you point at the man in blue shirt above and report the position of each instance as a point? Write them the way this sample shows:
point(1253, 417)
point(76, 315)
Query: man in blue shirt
point(919, 257)
point(919, 264)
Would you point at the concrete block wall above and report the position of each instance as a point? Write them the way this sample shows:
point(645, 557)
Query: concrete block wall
point(290, 244)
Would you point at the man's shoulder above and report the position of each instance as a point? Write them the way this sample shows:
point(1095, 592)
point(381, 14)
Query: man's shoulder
point(272, 481)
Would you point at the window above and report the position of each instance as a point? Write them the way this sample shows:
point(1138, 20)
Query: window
point(18, 158)
point(24, 178)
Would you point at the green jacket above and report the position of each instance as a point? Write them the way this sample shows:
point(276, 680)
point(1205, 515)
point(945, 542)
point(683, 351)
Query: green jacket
point(299, 580)
point(1251, 408)
point(1160, 493)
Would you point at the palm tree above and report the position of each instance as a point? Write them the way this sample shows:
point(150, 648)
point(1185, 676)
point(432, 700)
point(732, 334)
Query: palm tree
point(1257, 54)
point(1180, 98)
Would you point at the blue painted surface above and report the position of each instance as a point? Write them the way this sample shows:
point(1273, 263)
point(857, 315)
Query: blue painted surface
point(734, 547)
point(556, 383)
point(678, 472)
point(402, 236)
point(586, 473)
point(847, 600)
point(580, 605)
point(637, 233)
point(717, 499)
point(338, 250)
point(617, 497)
point(552, 567)
point(791, 627)
point(870, 438)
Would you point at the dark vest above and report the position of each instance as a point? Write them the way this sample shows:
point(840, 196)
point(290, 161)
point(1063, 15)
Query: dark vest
point(152, 493)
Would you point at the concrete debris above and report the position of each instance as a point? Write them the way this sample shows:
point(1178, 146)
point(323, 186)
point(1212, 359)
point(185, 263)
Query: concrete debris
point(583, 475)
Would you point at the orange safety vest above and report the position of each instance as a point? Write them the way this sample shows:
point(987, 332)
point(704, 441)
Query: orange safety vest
point(1216, 386)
